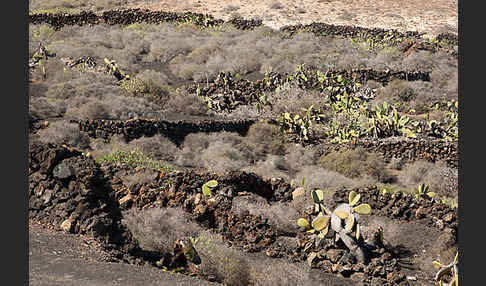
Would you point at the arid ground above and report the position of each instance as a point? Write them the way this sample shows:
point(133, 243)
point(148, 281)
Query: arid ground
point(242, 143)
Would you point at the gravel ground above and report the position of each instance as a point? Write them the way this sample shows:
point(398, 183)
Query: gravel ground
point(57, 258)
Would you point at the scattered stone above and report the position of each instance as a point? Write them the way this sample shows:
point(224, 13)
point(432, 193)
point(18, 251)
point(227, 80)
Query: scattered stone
point(310, 259)
point(421, 212)
point(334, 255)
point(448, 217)
point(358, 277)
point(197, 199)
point(440, 224)
point(63, 170)
point(125, 201)
point(298, 193)
point(271, 253)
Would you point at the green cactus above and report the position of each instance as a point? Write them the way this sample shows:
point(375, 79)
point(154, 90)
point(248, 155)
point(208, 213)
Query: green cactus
point(348, 212)
point(208, 186)
point(421, 190)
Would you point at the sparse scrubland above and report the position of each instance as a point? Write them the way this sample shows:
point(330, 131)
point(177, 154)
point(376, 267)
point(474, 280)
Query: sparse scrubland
point(309, 140)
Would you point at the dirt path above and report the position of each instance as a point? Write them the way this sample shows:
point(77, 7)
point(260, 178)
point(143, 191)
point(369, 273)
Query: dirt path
point(56, 258)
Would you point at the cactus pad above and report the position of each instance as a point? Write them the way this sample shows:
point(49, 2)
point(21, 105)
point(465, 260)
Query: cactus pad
point(353, 198)
point(302, 222)
point(364, 209)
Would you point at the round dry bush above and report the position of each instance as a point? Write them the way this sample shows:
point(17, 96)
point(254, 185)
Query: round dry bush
point(396, 90)
point(91, 109)
point(317, 177)
point(218, 152)
point(357, 162)
point(441, 179)
point(294, 100)
point(186, 104)
point(99, 148)
point(297, 157)
point(267, 138)
point(220, 262)
point(62, 132)
point(37, 90)
point(274, 166)
point(41, 108)
point(156, 229)
point(157, 147)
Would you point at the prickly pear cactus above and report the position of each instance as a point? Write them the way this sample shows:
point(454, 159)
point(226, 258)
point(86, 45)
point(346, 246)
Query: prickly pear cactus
point(344, 221)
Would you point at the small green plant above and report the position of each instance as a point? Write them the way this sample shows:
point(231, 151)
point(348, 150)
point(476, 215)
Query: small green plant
point(208, 187)
point(134, 159)
point(295, 124)
point(421, 190)
point(451, 269)
point(189, 251)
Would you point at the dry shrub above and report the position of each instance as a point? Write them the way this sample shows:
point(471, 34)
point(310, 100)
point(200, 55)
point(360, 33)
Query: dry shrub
point(92, 109)
point(442, 179)
point(318, 177)
point(100, 148)
point(41, 108)
point(279, 215)
point(62, 132)
point(37, 89)
point(396, 163)
point(156, 82)
point(157, 147)
point(273, 166)
point(220, 262)
point(225, 156)
point(146, 176)
point(156, 229)
point(266, 138)
point(217, 152)
point(293, 99)
point(186, 104)
point(396, 90)
point(357, 162)
point(276, 5)
point(297, 157)
point(235, 267)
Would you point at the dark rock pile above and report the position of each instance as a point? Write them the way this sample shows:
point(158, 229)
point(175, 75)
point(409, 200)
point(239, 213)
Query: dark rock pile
point(408, 150)
point(174, 130)
point(122, 17)
point(445, 41)
point(323, 29)
point(245, 24)
point(130, 16)
point(58, 21)
point(74, 193)
point(67, 190)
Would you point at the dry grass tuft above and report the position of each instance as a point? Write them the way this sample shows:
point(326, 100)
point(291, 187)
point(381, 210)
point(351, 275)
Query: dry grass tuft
point(357, 162)
point(156, 229)
point(442, 179)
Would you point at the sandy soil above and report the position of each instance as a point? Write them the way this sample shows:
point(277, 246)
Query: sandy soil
point(57, 258)
point(431, 17)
